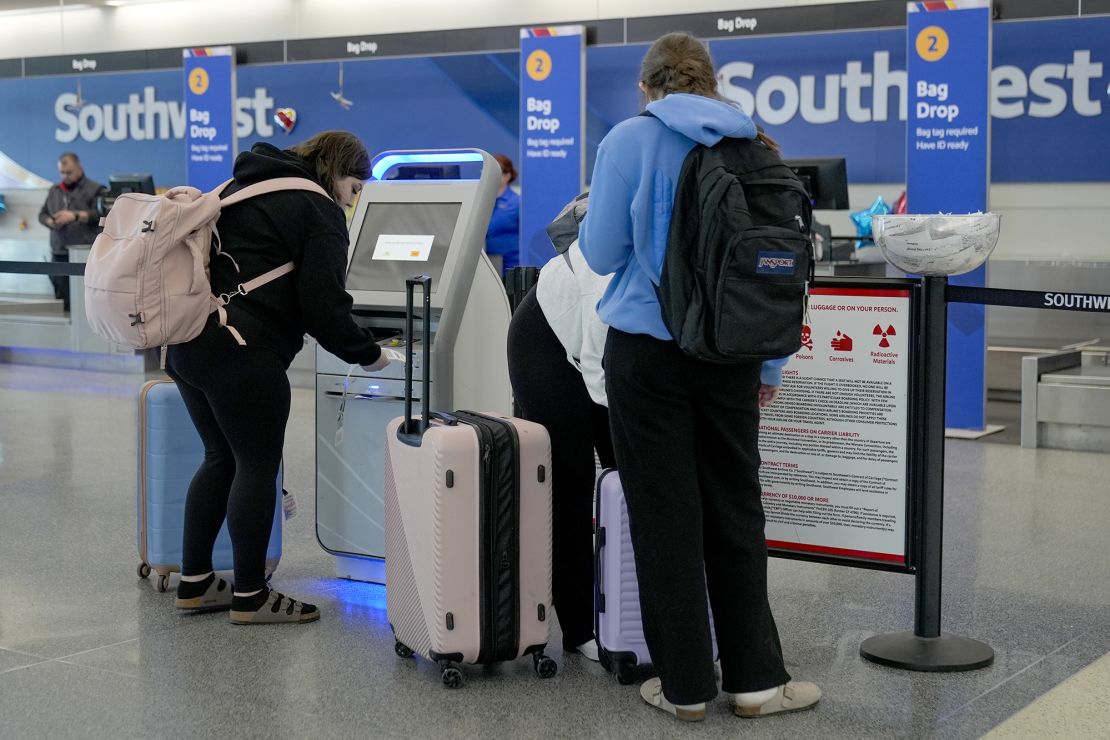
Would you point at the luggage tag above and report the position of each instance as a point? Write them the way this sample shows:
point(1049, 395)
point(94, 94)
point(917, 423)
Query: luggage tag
point(288, 504)
point(343, 408)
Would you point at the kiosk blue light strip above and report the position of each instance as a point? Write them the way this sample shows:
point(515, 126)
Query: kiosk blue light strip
point(384, 163)
point(947, 164)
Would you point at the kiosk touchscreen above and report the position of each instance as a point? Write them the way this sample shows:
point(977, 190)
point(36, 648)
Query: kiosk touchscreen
point(398, 240)
point(403, 227)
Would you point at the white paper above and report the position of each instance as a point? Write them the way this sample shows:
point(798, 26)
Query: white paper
point(404, 247)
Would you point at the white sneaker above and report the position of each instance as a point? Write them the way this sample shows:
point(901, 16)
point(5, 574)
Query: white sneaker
point(588, 650)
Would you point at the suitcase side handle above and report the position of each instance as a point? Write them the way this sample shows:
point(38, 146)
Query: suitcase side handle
point(407, 433)
point(448, 419)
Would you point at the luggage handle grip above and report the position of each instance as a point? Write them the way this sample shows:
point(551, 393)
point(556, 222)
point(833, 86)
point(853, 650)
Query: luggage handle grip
point(448, 419)
point(406, 433)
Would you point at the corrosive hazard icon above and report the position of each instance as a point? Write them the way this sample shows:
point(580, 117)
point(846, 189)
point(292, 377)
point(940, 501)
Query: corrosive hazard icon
point(841, 342)
point(879, 332)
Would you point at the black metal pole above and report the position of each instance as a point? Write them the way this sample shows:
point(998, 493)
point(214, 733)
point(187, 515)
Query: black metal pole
point(928, 578)
point(926, 648)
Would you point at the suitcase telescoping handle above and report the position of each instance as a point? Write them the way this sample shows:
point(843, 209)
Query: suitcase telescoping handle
point(407, 433)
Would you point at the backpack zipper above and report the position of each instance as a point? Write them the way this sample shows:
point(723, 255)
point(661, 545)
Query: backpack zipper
point(165, 301)
point(144, 255)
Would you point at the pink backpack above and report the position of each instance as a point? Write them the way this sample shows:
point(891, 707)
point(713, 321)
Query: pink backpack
point(147, 281)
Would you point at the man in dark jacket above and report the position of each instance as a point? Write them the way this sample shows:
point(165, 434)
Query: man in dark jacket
point(70, 214)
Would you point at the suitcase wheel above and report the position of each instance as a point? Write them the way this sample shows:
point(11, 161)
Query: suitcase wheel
point(402, 649)
point(143, 570)
point(545, 666)
point(163, 583)
point(452, 676)
point(625, 671)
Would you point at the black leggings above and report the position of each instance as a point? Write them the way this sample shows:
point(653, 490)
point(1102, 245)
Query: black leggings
point(238, 399)
point(551, 392)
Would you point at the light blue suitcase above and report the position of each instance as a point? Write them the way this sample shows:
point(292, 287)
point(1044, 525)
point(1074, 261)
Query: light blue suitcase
point(170, 451)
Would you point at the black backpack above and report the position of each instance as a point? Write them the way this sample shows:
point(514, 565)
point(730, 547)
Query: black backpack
point(734, 286)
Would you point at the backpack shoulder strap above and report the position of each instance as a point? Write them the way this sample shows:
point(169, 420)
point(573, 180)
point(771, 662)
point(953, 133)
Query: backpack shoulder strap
point(272, 186)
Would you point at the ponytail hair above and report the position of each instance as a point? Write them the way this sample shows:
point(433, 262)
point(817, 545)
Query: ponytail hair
point(679, 63)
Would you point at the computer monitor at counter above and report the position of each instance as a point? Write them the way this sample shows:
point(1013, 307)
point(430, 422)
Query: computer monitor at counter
point(826, 181)
point(138, 182)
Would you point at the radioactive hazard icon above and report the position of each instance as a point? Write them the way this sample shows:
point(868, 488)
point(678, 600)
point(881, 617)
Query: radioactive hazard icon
point(884, 333)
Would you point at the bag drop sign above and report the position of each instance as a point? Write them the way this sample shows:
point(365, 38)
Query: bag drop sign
point(552, 128)
point(210, 114)
point(835, 444)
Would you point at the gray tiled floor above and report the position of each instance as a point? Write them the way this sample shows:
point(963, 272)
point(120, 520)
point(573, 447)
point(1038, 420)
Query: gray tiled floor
point(86, 649)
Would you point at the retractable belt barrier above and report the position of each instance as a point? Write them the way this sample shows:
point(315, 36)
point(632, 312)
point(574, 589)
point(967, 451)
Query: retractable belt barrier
point(43, 268)
point(1090, 302)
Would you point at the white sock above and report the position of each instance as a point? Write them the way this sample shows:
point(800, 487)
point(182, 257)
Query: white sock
point(196, 579)
point(699, 705)
point(755, 698)
point(252, 593)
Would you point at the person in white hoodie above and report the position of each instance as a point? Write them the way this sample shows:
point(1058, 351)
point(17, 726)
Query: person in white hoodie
point(556, 341)
point(685, 431)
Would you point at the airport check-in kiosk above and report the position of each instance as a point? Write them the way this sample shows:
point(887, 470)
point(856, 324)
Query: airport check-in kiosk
point(422, 213)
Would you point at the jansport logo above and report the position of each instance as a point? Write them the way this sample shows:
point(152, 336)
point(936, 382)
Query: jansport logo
point(774, 263)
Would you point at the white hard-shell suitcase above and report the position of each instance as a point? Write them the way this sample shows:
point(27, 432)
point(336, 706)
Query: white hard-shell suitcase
point(467, 531)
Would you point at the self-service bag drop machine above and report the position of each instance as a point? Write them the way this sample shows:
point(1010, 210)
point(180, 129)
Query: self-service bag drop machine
point(404, 226)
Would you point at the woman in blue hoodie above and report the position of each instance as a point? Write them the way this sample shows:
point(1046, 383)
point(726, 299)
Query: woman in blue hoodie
point(685, 431)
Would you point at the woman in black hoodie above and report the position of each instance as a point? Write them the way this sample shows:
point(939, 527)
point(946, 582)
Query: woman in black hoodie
point(238, 394)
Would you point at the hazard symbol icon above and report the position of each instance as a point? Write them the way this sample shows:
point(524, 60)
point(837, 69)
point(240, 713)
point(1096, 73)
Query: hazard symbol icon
point(807, 338)
point(880, 332)
point(841, 342)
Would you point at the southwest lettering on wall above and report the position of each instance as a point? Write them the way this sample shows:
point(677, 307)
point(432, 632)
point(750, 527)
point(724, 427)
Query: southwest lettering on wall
point(1047, 91)
point(145, 117)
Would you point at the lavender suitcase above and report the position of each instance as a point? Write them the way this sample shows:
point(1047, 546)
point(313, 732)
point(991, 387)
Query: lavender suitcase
point(467, 532)
point(170, 451)
point(618, 623)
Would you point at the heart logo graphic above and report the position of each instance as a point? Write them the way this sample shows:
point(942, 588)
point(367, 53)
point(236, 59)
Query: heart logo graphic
point(286, 118)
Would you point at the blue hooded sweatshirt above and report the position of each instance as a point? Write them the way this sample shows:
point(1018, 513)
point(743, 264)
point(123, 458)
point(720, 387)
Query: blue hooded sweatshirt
point(631, 197)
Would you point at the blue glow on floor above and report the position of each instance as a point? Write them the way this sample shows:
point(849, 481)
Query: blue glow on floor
point(360, 597)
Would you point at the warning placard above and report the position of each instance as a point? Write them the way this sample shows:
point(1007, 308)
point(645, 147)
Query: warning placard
point(834, 444)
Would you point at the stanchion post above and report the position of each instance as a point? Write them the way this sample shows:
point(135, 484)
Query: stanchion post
point(927, 584)
point(926, 648)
